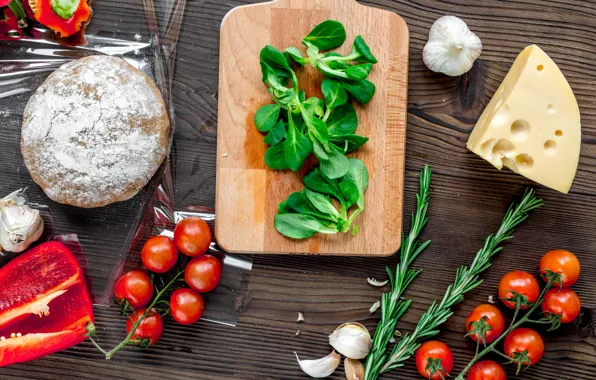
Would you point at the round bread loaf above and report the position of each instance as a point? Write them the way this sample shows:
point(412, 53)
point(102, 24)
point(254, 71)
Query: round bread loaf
point(94, 132)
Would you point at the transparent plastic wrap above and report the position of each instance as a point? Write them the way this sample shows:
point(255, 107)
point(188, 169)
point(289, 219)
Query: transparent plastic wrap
point(145, 34)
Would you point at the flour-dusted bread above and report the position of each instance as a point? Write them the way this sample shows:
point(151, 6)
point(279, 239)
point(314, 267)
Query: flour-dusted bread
point(94, 132)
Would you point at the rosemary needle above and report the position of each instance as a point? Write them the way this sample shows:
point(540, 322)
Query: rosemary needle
point(392, 304)
point(466, 279)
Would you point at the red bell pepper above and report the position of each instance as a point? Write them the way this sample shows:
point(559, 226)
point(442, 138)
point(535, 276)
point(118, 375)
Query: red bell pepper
point(44, 304)
point(65, 17)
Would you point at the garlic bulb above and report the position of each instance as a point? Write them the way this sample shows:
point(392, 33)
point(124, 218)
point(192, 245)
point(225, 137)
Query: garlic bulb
point(320, 368)
point(354, 369)
point(451, 48)
point(352, 340)
point(20, 225)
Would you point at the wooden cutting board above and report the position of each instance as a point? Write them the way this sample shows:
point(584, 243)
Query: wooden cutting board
point(247, 191)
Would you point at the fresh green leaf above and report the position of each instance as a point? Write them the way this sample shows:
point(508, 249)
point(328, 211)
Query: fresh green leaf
point(362, 90)
point(327, 35)
point(312, 51)
point(299, 203)
point(358, 72)
point(335, 94)
point(343, 120)
point(300, 226)
point(276, 134)
point(274, 58)
point(337, 165)
point(316, 181)
point(296, 55)
point(348, 143)
point(266, 117)
point(318, 129)
point(284, 208)
point(358, 175)
point(285, 98)
point(319, 111)
point(322, 203)
point(272, 78)
point(311, 104)
point(297, 147)
point(302, 96)
point(274, 157)
point(336, 64)
point(319, 151)
point(350, 192)
point(361, 48)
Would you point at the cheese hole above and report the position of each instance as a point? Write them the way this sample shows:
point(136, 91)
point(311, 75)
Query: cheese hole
point(550, 108)
point(509, 163)
point(558, 133)
point(540, 67)
point(550, 147)
point(520, 129)
point(524, 161)
point(487, 146)
point(503, 146)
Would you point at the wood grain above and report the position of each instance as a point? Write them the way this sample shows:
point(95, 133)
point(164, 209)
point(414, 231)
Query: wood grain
point(469, 198)
point(247, 192)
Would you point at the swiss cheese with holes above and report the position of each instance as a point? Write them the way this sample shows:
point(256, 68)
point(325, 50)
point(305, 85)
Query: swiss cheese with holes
point(532, 123)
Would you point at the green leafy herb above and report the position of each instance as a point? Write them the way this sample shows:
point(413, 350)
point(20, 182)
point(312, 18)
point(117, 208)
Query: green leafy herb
point(327, 35)
point(266, 117)
point(297, 147)
point(348, 143)
point(300, 226)
point(276, 134)
point(335, 94)
point(274, 157)
point(343, 120)
point(336, 165)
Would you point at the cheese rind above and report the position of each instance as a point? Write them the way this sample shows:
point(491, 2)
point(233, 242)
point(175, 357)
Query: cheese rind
point(532, 123)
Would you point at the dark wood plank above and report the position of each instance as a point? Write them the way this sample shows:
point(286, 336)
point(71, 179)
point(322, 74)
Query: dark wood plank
point(468, 199)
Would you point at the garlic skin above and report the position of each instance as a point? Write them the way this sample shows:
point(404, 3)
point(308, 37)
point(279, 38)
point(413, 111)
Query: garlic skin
point(20, 225)
point(320, 368)
point(354, 369)
point(352, 340)
point(451, 48)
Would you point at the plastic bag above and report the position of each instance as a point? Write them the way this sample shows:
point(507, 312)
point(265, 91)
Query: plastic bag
point(145, 35)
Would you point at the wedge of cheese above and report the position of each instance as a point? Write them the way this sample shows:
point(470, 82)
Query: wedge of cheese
point(532, 123)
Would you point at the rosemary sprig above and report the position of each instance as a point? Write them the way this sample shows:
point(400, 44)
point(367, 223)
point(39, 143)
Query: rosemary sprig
point(466, 279)
point(392, 304)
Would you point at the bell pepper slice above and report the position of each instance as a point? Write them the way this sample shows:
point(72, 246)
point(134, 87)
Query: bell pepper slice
point(44, 304)
point(65, 17)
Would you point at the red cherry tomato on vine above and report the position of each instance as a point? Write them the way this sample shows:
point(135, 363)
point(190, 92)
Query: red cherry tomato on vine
point(159, 254)
point(524, 339)
point(192, 236)
point(563, 262)
point(519, 282)
point(203, 273)
point(429, 354)
point(135, 287)
point(150, 328)
point(487, 370)
point(562, 301)
point(492, 317)
point(186, 306)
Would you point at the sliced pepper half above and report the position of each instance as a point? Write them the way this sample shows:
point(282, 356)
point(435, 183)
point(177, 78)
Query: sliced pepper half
point(65, 17)
point(44, 304)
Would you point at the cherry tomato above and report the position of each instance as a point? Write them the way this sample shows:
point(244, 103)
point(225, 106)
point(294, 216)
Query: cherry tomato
point(159, 254)
point(150, 328)
point(522, 283)
point(203, 273)
point(135, 287)
point(524, 339)
point(487, 370)
point(434, 350)
point(492, 317)
point(563, 262)
point(562, 301)
point(192, 236)
point(186, 306)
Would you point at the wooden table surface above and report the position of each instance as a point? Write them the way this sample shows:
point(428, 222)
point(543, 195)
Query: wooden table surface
point(468, 199)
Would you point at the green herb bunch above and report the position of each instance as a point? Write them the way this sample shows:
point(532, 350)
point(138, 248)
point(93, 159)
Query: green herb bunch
point(311, 210)
point(297, 126)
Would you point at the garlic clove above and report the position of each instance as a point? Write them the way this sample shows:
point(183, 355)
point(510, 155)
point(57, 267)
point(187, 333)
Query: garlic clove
point(451, 48)
point(352, 340)
point(354, 369)
point(20, 225)
point(375, 282)
point(320, 368)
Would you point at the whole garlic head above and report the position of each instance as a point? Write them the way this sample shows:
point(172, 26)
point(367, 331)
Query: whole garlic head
point(20, 225)
point(451, 48)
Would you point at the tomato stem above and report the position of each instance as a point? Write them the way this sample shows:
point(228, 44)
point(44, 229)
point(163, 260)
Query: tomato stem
point(130, 335)
point(512, 326)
